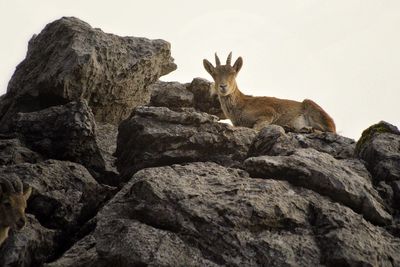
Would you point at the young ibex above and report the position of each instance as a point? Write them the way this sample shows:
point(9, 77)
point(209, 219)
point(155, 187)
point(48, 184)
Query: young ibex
point(13, 197)
point(258, 112)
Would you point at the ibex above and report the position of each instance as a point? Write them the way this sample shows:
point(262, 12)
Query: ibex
point(13, 198)
point(258, 112)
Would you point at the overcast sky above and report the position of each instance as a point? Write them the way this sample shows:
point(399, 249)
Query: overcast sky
point(343, 54)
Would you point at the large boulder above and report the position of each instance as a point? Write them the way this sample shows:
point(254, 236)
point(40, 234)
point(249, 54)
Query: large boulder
point(203, 214)
point(65, 132)
point(70, 60)
point(379, 146)
point(326, 175)
point(157, 136)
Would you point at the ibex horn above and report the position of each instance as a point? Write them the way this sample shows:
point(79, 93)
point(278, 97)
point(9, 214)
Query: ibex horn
point(228, 60)
point(6, 185)
point(217, 62)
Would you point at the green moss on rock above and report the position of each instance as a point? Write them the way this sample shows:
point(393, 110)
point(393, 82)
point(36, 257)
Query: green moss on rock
point(379, 128)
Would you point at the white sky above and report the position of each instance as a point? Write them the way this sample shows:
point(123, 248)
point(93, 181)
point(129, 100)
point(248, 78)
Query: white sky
point(343, 54)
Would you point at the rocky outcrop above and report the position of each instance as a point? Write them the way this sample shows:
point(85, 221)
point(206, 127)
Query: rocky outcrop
point(157, 136)
point(70, 60)
point(203, 214)
point(190, 191)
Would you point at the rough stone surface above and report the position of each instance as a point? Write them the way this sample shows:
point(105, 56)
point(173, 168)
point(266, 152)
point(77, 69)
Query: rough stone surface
point(157, 136)
point(272, 140)
point(326, 175)
point(31, 246)
point(69, 60)
point(379, 146)
point(217, 216)
point(172, 95)
point(204, 100)
point(65, 132)
point(12, 151)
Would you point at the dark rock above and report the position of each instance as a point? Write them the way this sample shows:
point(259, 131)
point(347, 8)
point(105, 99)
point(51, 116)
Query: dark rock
point(12, 151)
point(326, 175)
point(202, 214)
point(64, 193)
point(273, 141)
point(64, 132)
point(32, 246)
point(69, 60)
point(158, 136)
point(204, 100)
point(379, 146)
point(172, 95)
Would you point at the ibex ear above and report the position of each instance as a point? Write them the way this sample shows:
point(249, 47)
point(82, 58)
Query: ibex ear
point(27, 192)
point(238, 64)
point(208, 66)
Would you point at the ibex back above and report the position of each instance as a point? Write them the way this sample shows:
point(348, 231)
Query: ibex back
point(258, 112)
point(13, 197)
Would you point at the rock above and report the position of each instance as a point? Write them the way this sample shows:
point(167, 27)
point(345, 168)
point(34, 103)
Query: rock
point(64, 193)
point(203, 214)
point(273, 141)
point(12, 151)
point(204, 100)
point(324, 174)
point(106, 138)
point(379, 146)
point(157, 136)
point(32, 246)
point(64, 132)
point(348, 240)
point(69, 60)
point(172, 95)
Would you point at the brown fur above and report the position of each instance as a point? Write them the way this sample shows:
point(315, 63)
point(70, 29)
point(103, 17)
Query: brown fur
point(258, 112)
point(13, 202)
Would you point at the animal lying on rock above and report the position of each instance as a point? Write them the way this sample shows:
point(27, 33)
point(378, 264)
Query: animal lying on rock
point(258, 112)
point(13, 201)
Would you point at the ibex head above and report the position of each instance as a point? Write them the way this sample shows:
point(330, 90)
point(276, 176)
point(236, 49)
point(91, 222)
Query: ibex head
point(13, 198)
point(224, 75)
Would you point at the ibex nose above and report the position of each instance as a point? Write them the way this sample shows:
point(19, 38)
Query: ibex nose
point(21, 223)
point(223, 88)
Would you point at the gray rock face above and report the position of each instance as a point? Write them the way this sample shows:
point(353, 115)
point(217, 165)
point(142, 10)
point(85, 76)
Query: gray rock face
point(12, 151)
point(172, 95)
point(379, 146)
point(157, 136)
point(64, 132)
point(273, 141)
point(324, 174)
point(70, 60)
point(217, 216)
point(31, 246)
